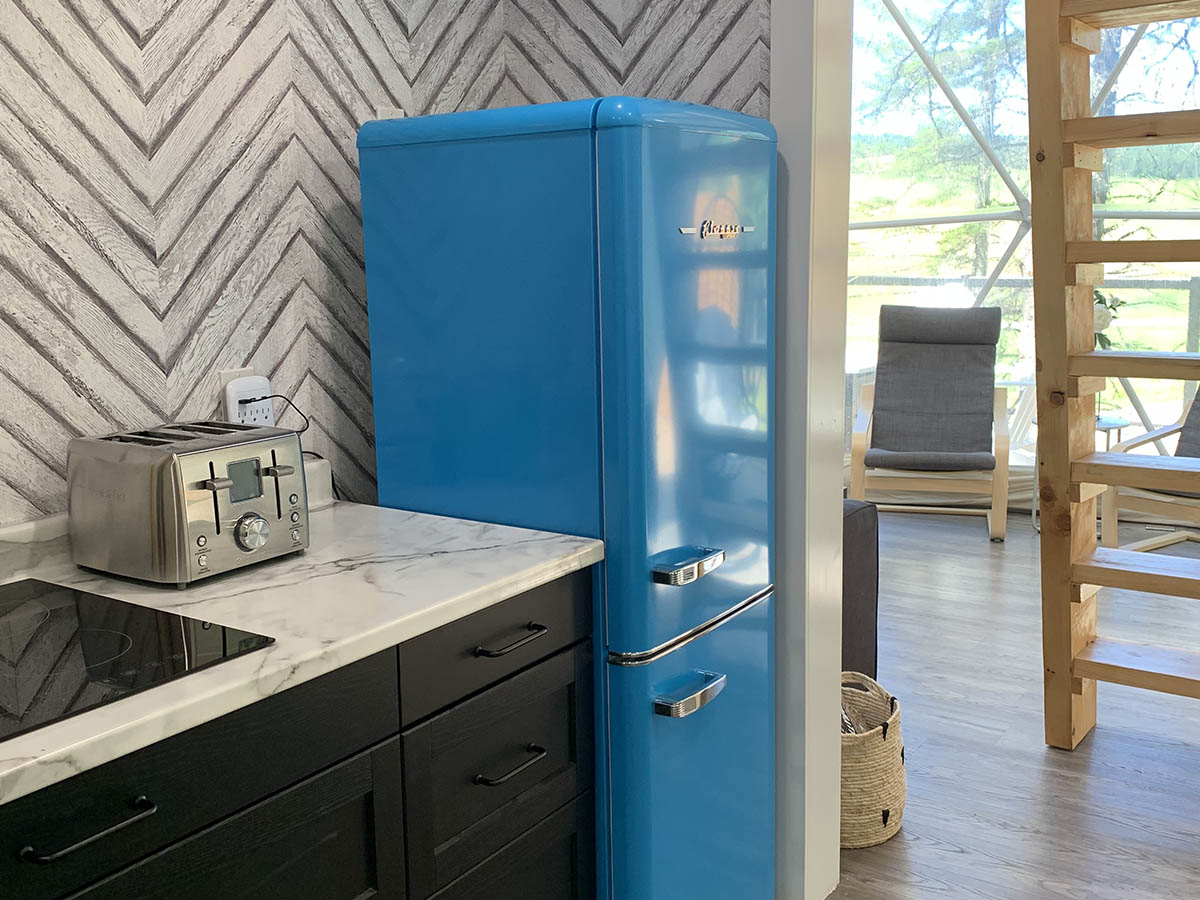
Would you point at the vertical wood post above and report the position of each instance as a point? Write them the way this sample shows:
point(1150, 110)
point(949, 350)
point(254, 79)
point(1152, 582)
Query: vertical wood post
point(1059, 87)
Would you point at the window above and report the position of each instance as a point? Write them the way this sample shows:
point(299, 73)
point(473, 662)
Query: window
point(940, 186)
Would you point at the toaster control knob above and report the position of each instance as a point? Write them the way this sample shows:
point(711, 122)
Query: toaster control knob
point(251, 532)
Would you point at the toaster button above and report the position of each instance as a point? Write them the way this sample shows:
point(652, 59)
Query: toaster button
point(295, 534)
point(202, 541)
point(202, 560)
point(294, 499)
point(295, 516)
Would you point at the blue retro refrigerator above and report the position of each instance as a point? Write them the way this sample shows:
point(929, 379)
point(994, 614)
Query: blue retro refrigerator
point(571, 313)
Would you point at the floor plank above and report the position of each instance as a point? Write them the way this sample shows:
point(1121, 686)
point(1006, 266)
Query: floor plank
point(994, 814)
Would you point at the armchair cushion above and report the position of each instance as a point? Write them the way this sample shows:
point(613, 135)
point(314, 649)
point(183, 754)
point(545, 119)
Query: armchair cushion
point(1189, 434)
point(931, 460)
point(934, 385)
point(1189, 445)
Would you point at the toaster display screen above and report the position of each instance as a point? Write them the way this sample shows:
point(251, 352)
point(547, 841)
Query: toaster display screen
point(247, 484)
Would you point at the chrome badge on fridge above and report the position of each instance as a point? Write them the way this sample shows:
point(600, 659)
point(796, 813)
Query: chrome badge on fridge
point(179, 502)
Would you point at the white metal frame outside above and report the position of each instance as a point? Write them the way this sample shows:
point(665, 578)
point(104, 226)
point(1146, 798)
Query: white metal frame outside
point(1020, 213)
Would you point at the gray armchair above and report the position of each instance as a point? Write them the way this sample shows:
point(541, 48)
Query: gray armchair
point(934, 413)
point(1179, 505)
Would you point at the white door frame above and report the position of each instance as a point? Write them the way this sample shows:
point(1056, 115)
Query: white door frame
point(811, 50)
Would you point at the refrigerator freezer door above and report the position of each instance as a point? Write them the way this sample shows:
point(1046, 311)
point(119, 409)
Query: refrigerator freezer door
point(692, 768)
point(686, 224)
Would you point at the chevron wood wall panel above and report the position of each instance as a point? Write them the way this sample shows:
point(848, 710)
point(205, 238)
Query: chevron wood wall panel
point(179, 188)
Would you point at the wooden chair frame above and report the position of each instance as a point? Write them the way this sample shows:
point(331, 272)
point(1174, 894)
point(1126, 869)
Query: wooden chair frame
point(980, 482)
point(1180, 509)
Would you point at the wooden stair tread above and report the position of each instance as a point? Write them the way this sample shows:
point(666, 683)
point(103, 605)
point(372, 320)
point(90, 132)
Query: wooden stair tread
point(1137, 364)
point(1132, 251)
point(1150, 472)
point(1142, 130)
point(1116, 13)
point(1141, 666)
point(1153, 573)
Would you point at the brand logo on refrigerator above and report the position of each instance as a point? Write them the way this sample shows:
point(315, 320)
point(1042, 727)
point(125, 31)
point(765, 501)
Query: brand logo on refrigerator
point(710, 229)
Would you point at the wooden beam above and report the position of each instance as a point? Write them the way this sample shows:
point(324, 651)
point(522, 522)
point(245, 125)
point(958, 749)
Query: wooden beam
point(1137, 364)
point(1153, 573)
point(1086, 491)
point(1181, 509)
point(1149, 472)
point(1133, 251)
point(1141, 130)
point(1081, 156)
point(1117, 13)
point(1141, 665)
point(1085, 273)
point(1060, 88)
point(1085, 385)
point(1079, 35)
point(929, 483)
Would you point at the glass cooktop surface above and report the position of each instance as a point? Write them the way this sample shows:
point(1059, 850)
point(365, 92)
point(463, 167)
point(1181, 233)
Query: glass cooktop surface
point(64, 651)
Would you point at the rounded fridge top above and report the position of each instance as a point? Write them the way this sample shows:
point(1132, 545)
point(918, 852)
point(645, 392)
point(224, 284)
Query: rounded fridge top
point(573, 115)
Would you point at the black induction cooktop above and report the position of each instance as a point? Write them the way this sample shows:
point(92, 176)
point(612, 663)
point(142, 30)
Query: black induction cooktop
point(64, 651)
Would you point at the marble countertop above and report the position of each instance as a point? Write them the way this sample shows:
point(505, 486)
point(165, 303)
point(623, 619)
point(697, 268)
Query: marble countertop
point(371, 579)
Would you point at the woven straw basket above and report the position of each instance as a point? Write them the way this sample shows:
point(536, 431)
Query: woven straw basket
point(873, 784)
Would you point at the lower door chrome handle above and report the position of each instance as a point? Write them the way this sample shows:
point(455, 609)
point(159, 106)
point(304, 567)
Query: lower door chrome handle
point(683, 565)
point(676, 707)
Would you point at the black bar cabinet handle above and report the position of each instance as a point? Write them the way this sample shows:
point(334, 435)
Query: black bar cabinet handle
point(145, 809)
point(535, 631)
point(539, 753)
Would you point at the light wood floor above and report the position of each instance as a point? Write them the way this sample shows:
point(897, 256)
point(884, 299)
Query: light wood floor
point(992, 812)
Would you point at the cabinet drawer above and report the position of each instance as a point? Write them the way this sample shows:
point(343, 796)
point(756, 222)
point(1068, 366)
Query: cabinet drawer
point(480, 775)
point(193, 779)
point(454, 661)
point(554, 861)
point(334, 836)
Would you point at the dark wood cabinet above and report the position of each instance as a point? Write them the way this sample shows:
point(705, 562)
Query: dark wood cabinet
point(450, 663)
point(487, 770)
point(193, 779)
point(335, 836)
point(315, 794)
point(554, 860)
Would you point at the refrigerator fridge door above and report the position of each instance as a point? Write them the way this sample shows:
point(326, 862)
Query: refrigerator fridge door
point(686, 224)
point(692, 742)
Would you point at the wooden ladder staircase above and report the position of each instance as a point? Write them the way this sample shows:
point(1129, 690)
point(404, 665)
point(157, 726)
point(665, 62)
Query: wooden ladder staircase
point(1066, 147)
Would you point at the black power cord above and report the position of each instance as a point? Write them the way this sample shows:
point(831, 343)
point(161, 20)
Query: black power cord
point(312, 454)
point(287, 400)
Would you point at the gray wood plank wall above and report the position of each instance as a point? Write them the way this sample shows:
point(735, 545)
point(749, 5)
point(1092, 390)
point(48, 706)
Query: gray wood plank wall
point(179, 188)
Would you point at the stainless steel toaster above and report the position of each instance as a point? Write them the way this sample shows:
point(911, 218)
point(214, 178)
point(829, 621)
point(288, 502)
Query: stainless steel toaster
point(186, 500)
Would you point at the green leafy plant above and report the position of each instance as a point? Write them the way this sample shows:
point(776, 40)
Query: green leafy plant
point(1106, 310)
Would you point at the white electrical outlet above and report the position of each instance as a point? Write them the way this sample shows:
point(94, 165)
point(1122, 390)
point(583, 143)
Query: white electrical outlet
point(249, 387)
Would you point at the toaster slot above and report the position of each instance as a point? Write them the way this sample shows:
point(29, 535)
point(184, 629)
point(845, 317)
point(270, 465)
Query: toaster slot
point(135, 439)
point(278, 496)
point(202, 429)
point(212, 471)
point(168, 436)
point(229, 427)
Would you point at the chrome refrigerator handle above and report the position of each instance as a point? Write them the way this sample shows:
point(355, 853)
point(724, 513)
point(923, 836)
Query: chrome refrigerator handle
point(685, 564)
point(678, 707)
